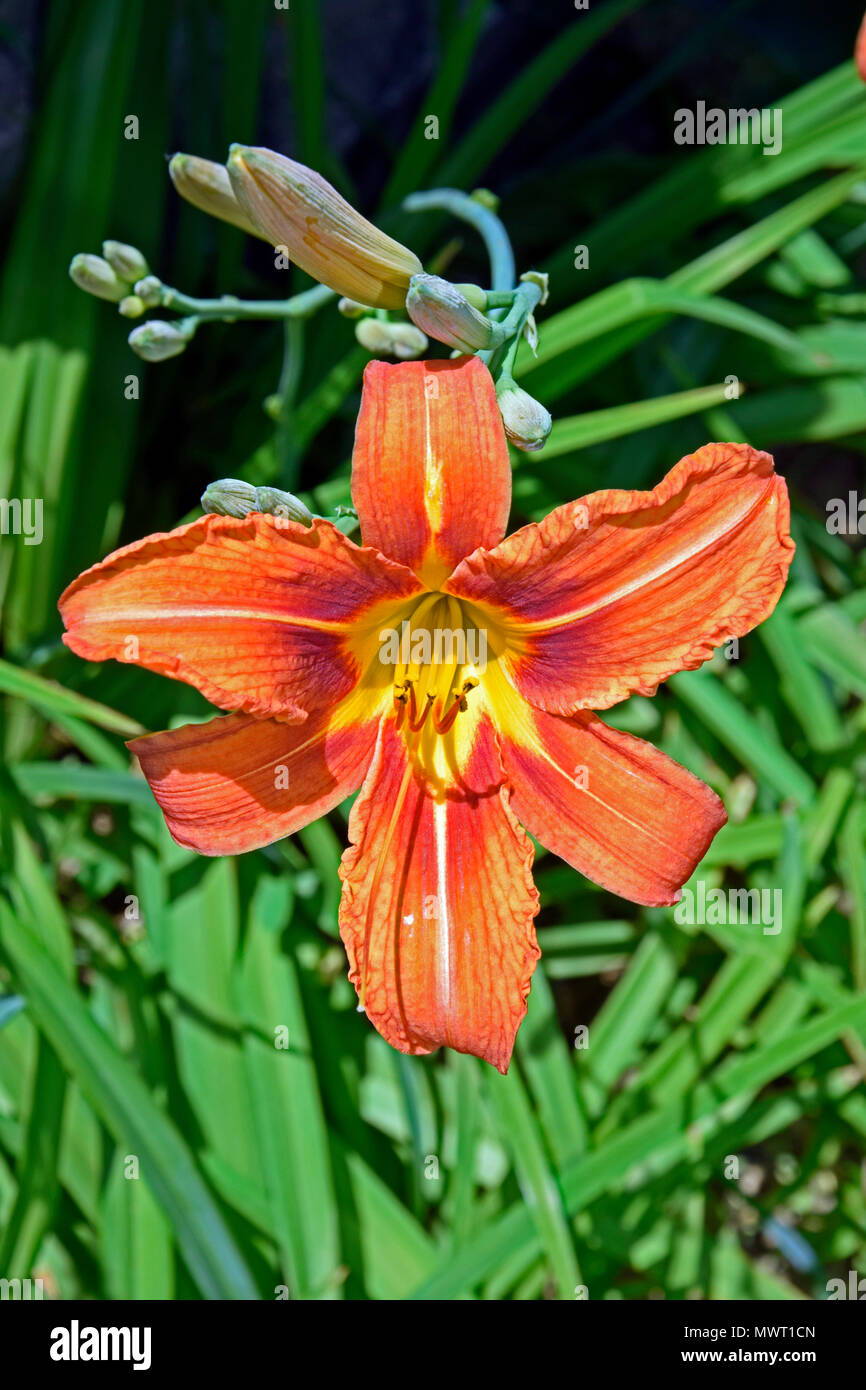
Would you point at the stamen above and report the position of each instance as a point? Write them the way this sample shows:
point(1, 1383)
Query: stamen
point(426, 690)
point(416, 724)
point(443, 725)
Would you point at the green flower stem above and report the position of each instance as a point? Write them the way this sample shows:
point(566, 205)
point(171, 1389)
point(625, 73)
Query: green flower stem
point(229, 309)
point(502, 267)
point(285, 444)
point(509, 357)
point(507, 333)
point(500, 299)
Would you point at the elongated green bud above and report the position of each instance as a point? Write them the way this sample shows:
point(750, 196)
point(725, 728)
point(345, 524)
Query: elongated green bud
point(275, 502)
point(127, 261)
point(295, 207)
point(157, 340)
point(234, 497)
point(207, 186)
point(95, 276)
point(527, 422)
point(229, 497)
point(440, 310)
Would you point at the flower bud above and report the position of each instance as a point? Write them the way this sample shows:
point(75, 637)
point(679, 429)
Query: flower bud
point(408, 341)
point(149, 291)
point(131, 307)
point(292, 206)
point(401, 340)
point(127, 261)
point(351, 309)
point(207, 186)
point(277, 503)
point(439, 308)
point(229, 497)
point(527, 423)
point(95, 276)
point(475, 294)
point(234, 497)
point(157, 340)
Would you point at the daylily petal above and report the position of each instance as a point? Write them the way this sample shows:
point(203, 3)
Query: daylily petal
point(260, 614)
point(614, 807)
point(237, 782)
point(612, 594)
point(431, 478)
point(860, 50)
point(438, 904)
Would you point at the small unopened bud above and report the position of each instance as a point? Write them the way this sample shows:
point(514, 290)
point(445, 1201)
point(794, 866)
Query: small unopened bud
point(439, 308)
point(229, 497)
point(157, 340)
point(207, 186)
point(234, 497)
point(95, 276)
point(126, 260)
point(374, 335)
point(486, 198)
point(294, 207)
point(408, 340)
point(131, 307)
point(149, 291)
point(401, 340)
point(475, 294)
point(351, 309)
point(527, 422)
point(275, 502)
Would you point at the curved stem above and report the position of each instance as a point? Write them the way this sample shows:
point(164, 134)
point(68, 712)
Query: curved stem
point(526, 296)
point(496, 239)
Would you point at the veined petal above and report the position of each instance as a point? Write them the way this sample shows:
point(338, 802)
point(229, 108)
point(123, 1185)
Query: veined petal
point(438, 905)
point(613, 806)
point(237, 782)
point(294, 207)
point(259, 613)
point(612, 594)
point(431, 478)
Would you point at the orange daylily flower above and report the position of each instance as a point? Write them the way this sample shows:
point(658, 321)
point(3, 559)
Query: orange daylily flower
point(286, 626)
